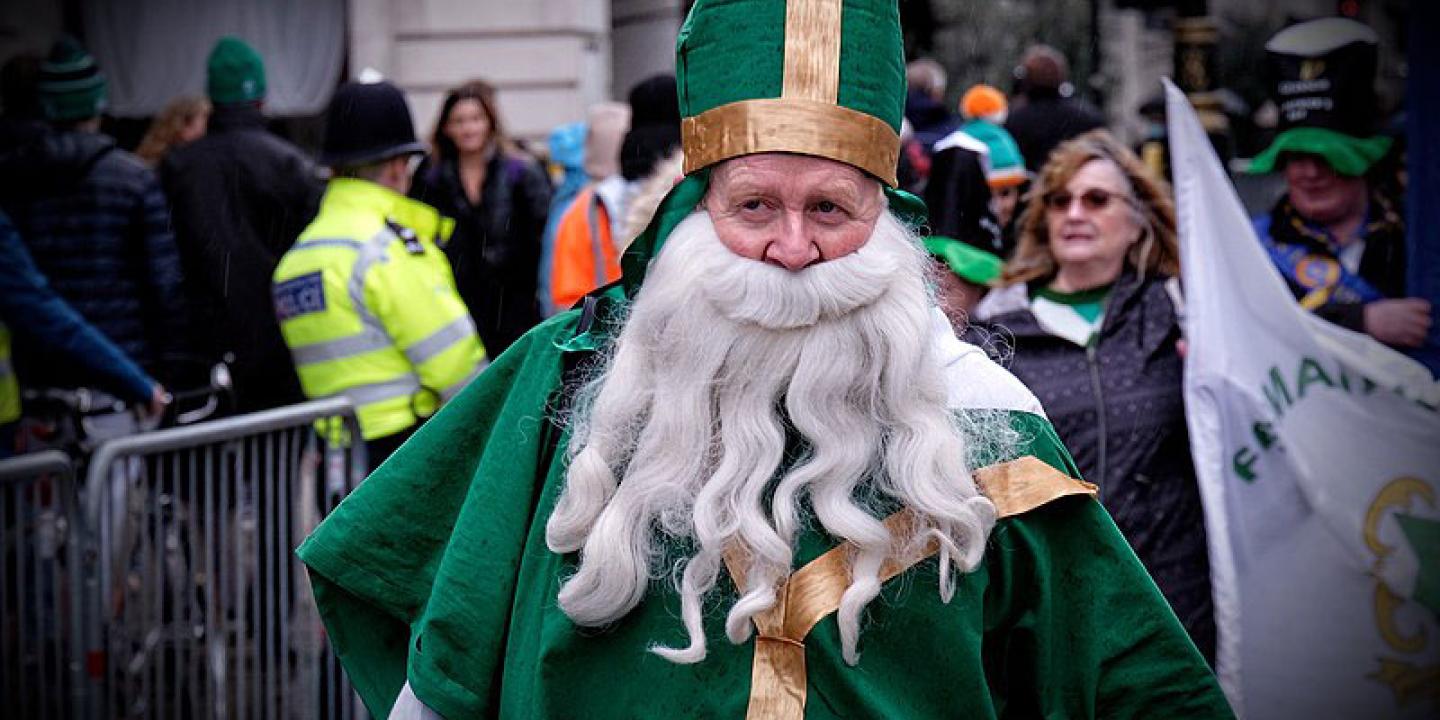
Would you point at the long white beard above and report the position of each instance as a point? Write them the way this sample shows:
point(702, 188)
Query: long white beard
point(691, 411)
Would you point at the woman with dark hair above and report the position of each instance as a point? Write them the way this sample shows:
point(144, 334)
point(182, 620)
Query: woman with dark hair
point(1093, 303)
point(499, 198)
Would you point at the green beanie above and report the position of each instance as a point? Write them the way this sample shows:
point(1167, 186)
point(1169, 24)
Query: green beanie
point(970, 263)
point(70, 85)
point(234, 73)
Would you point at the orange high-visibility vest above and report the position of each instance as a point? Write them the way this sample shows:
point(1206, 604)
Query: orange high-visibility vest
point(585, 254)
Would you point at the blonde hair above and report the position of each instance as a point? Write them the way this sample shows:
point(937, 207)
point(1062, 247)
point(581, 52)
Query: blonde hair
point(1158, 250)
point(164, 131)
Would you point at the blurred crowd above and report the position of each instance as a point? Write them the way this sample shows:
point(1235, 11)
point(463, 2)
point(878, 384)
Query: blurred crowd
point(133, 275)
point(392, 269)
point(1056, 247)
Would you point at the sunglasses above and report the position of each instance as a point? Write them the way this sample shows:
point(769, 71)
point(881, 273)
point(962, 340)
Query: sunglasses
point(1093, 199)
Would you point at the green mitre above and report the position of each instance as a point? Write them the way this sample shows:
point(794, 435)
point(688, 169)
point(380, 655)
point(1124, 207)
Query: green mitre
point(814, 77)
point(970, 263)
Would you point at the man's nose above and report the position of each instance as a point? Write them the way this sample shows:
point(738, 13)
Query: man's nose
point(792, 248)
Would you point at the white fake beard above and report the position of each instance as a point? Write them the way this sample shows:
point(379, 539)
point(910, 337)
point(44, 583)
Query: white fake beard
point(691, 409)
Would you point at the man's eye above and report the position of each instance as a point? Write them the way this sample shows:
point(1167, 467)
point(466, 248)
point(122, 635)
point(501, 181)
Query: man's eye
point(752, 205)
point(827, 207)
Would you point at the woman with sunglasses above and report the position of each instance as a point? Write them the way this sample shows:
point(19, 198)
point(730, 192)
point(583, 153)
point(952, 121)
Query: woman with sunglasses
point(1091, 299)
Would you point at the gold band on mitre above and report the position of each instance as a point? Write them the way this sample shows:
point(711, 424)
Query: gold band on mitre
point(791, 125)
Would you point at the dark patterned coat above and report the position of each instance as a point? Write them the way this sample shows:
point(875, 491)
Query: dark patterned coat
point(94, 219)
point(1119, 407)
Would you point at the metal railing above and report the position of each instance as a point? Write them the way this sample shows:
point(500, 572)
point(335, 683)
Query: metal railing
point(178, 575)
point(41, 674)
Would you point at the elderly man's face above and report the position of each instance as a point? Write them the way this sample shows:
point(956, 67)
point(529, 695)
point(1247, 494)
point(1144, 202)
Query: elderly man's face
point(792, 210)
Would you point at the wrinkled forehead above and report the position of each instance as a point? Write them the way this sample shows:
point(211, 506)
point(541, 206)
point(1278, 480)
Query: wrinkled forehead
point(1096, 172)
point(786, 174)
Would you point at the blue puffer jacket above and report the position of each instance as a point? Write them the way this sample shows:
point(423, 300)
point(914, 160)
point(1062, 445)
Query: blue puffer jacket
point(95, 221)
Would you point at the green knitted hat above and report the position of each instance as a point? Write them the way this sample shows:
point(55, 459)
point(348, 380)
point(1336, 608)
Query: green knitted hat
point(235, 73)
point(70, 85)
point(972, 264)
point(824, 78)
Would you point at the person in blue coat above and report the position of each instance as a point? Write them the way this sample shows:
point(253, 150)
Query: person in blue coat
point(1337, 235)
point(567, 152)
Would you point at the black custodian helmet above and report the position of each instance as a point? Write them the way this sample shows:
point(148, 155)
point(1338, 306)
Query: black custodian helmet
point(368, 122)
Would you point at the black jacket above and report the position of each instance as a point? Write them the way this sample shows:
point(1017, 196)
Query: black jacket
point(958, 198)
point(239, 197)
point(94, 220)
point(1044, 120)
point(495, 249)
point(1119, 407)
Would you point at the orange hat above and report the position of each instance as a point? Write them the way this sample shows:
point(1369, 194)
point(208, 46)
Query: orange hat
point(985, 102)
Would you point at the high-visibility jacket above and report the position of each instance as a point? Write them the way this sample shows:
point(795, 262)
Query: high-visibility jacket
point(9, 387)
point(585, 256)
point(368, 306)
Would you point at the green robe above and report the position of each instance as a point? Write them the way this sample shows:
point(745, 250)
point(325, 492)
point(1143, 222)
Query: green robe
point(436, 570)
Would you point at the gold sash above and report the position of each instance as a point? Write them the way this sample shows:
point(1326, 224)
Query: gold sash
point(777, 679)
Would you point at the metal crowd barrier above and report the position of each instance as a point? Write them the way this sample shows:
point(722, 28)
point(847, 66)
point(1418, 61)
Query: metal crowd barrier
point(177, 574)
point(40, 669)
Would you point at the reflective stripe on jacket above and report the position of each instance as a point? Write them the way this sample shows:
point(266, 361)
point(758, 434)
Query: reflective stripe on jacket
point(368, 306)
point(585, 255)
point(9, 388)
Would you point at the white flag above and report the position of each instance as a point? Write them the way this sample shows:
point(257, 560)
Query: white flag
point(1318, 455)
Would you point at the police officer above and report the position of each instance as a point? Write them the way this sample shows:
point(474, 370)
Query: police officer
point(366, 300)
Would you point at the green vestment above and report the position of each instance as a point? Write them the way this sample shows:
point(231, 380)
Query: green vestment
point(436, 570)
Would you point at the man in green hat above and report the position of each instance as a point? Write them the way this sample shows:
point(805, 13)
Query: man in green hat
point(758, 476)
point(1339, 243)
point(239, 197)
